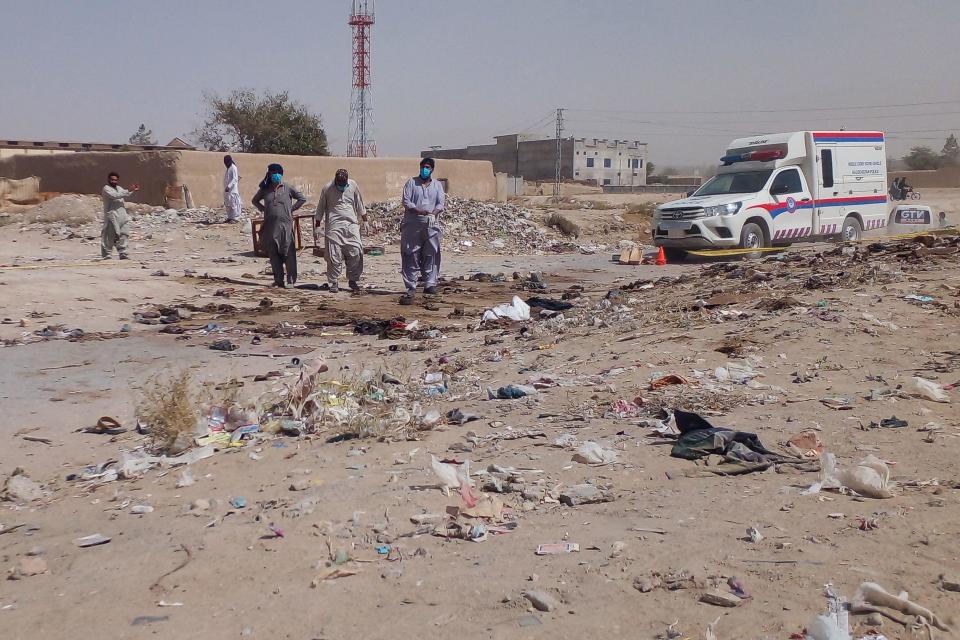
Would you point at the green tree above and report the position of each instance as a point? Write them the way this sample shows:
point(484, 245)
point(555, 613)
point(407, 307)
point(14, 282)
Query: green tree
point(922, 158)
point(651, 169)
point(268, 123)
point(143, 136)
point(950, 155)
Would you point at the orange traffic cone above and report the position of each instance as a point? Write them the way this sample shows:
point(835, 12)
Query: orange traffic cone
point(661, 258)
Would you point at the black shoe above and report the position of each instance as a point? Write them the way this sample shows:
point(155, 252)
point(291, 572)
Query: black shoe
point(430, 291)
point(354, 285)
point(406, 299)
point(124, 256)
point(334, 288)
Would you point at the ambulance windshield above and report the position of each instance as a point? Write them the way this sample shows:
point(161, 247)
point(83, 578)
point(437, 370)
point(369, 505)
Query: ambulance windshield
point(739, 182)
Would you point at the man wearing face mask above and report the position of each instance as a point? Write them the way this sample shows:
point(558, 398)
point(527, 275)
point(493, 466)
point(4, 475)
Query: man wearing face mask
point(277, 201)
point(341, 210)
point(116, 222)
point(420, 231)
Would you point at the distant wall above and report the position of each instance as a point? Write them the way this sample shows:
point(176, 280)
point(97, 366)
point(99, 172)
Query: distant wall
point(87, 172)
point(202, 172)
point(943, 178)
point(379, 178)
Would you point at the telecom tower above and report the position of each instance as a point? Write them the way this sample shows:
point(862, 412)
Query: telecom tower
point(361, 143)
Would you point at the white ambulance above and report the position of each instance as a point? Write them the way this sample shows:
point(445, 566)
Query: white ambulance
point(775, 189)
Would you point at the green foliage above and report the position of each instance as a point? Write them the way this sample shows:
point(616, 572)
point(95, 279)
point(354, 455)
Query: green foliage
point(143, 136)
point(950, 155)
point(269, 123)
point(921, 158)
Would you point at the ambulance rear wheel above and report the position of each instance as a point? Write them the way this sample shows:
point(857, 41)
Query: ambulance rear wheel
point(751, 237)
point(851, 231)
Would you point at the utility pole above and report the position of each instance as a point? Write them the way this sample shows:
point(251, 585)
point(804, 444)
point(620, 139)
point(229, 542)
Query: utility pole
point(557, 156)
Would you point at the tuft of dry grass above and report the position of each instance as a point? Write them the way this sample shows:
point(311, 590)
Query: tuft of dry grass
point(641, 208)
point(170, 408)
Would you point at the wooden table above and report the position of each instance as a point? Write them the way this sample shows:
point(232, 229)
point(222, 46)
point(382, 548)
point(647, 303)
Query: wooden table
point(297, 233)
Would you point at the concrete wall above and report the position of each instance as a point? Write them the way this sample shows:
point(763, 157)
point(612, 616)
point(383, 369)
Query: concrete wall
point(943, 178)
point(87, 172)
point(517, 155)
point(202, 172)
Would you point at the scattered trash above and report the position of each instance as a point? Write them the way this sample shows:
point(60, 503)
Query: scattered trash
point(92, 540)
point(929, 390)
point(698, 438)
point(541, 600)
point(557, 549)
point(510, 392)
point(517, 310)
point(20, 488)
point(720, 599)
point(871, 597)
point(806, 444)
point(584, 494)
point(889, 423)
point(592, 453)
point(870, 478)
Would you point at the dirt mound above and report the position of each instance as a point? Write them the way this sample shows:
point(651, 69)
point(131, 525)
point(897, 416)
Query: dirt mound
point(72, 210)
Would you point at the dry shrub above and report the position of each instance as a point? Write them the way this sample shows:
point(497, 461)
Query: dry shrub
point(170, 408)
point(641, 209)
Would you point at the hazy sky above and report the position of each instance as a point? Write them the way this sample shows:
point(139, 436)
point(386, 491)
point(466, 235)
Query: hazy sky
point(453, 72)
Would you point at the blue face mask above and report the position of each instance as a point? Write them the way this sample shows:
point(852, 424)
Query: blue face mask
point(275, 178)
point(341, 188)
point(425, 172)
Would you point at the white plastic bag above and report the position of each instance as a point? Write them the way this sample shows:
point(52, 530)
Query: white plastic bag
point(929, 389)
point(825, 628)
point(870, 478)
point(517, 310)
point(592, 453)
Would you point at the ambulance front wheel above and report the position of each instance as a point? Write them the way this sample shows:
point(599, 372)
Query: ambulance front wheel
point(851, 231)
point(751, 236)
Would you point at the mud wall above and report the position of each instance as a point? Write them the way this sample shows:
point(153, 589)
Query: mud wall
point(943, 178)
point(87, 172)
point(379, 178)
point(202, 172)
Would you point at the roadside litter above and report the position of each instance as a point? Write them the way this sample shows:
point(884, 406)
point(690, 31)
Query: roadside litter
point(517, 310)
point(698, 438)
point(869, 478)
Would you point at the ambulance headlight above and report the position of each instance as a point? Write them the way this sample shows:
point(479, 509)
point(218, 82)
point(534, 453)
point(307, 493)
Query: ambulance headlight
point(722, 210)
point(731, 208)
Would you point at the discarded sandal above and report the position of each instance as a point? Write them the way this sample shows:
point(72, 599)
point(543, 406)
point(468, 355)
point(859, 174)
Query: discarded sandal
point(107, 426)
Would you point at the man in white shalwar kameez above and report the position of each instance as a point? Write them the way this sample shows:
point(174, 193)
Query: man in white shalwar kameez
point(341, 210)
point(231, 189)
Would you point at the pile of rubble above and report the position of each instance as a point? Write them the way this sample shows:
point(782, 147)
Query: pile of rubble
point(495, 226)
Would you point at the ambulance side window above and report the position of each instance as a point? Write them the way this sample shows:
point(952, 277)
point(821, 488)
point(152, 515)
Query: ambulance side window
point(826, 167)
point(786, 182)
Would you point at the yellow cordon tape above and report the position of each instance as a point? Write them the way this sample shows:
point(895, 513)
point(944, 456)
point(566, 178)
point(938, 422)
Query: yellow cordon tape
point(54, 265)
point(740, 252)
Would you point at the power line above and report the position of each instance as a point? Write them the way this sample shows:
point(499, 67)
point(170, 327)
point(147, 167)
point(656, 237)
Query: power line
point(782, 110)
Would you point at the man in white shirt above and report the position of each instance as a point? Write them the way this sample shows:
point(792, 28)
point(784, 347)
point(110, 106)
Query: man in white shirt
point(116, 222)
point(231, 189)
point(341, 210)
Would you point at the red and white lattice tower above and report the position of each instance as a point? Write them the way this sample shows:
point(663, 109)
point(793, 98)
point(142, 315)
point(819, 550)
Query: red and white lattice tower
point(361, 143)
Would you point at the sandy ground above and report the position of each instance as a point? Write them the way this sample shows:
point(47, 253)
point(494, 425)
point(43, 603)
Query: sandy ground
point(241, 580)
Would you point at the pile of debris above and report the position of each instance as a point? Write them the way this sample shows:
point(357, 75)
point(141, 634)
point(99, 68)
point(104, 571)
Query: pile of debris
point(500, 227)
